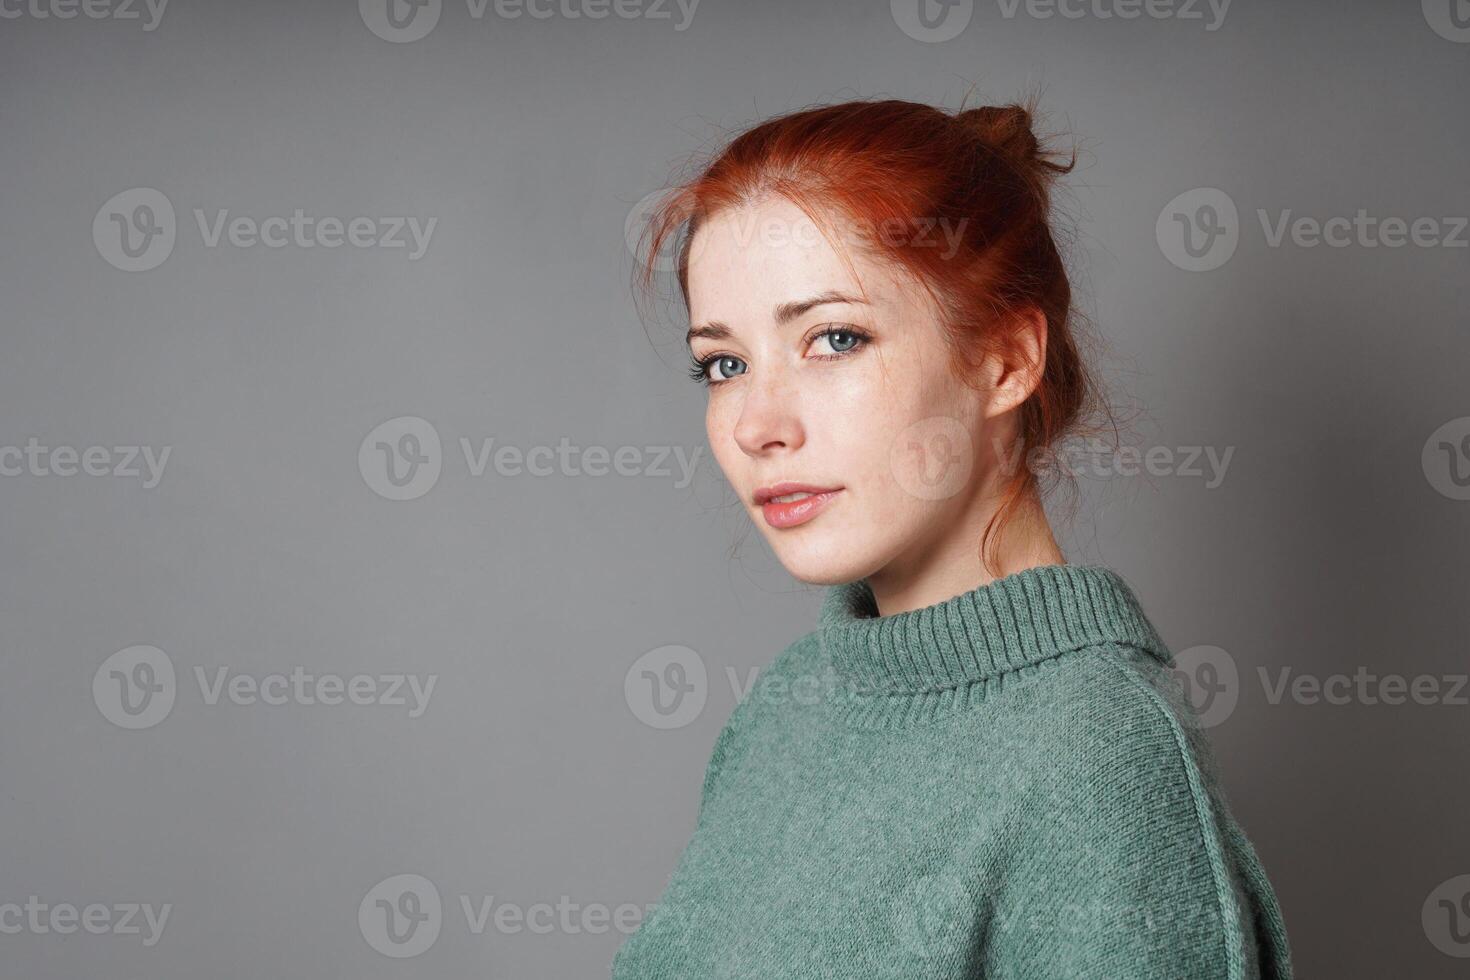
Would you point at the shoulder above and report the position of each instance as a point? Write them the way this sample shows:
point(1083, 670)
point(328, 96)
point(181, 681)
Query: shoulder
point(777, 682)
point(1115, 726)
point(793, 677)
point(1112, 766)
point(1125, 831)
point(802, 658)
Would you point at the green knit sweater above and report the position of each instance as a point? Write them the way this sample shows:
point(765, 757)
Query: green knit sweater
point(1007, 784)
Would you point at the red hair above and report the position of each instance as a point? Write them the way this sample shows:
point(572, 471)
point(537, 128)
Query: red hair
point(981, 171)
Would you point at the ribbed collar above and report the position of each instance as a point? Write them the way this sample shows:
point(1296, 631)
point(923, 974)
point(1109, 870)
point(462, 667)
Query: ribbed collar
point(1013, 622)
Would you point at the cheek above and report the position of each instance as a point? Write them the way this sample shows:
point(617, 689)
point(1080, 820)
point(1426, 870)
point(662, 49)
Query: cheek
point(905, 435)
point(719, 428)
point(862, 412)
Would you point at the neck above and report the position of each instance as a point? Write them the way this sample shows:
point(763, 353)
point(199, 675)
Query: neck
point(933, 571)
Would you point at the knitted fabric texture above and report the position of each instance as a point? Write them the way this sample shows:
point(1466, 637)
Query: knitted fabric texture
point(1009, 784)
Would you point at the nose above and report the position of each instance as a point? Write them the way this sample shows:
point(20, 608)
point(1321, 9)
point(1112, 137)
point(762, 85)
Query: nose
point(770, 417)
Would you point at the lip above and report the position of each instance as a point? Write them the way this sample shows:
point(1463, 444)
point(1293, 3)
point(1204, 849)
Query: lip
point(795, 512)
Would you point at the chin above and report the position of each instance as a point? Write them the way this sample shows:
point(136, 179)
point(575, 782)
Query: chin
point(822, 561)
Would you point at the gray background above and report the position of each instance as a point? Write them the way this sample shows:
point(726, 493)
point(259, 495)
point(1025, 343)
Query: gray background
point(531, 776)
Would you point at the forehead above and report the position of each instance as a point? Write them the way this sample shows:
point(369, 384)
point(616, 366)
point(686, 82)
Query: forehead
point(745, 260)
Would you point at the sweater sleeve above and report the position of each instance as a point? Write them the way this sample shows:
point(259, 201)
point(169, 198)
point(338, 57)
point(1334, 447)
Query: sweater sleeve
point(1131, 867)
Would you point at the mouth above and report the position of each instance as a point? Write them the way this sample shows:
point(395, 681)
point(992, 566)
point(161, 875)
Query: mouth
point(787, 505)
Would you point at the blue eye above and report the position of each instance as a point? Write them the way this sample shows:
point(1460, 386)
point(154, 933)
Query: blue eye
point(840, 340)
point(716, 368)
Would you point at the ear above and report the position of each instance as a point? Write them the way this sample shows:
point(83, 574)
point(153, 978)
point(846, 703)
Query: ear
point(1016, 367)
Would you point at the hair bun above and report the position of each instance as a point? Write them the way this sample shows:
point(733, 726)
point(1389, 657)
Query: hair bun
point(1006, 129)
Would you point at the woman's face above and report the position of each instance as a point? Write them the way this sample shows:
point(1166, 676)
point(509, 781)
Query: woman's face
point(812, 386)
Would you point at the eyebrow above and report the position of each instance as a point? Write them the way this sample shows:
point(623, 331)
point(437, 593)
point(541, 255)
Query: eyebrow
point(784, 313)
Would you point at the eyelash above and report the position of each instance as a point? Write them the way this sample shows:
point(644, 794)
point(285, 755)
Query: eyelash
point(699, 367)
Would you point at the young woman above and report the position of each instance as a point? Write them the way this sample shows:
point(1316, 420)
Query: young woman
point(978, 764)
